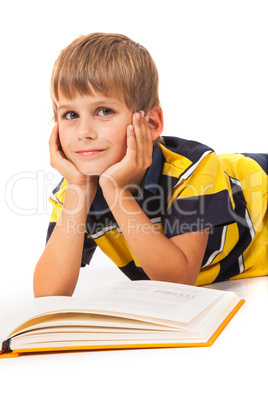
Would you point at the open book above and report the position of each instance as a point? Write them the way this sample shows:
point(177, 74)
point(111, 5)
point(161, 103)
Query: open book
point(139, 314)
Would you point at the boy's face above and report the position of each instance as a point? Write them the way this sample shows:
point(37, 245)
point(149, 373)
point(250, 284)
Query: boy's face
point(92, 131)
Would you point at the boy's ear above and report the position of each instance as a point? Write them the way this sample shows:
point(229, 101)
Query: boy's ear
point(156, 121)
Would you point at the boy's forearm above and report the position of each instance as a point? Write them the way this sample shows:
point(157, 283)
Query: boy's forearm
point(57, 270)
point(158, 256)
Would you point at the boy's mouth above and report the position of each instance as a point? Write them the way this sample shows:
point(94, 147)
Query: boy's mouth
point(89, 152)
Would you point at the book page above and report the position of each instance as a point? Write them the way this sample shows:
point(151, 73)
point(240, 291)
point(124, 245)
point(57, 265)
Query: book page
point(160, 300)
point(13, 315)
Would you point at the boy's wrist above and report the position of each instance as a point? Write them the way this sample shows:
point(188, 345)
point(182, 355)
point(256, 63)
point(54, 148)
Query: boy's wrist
point(79, 197)
point(121, 199)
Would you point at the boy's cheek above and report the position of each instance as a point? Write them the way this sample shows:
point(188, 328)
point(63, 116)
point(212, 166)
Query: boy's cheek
point(63, 144)
point(61, 140)
point(62, 136)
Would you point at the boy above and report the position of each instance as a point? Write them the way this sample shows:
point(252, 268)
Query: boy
point(164, 210)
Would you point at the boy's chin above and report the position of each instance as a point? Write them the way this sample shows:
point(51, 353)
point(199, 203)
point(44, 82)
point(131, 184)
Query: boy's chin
point(90, 173)
point(97, 174)
point(94, 174)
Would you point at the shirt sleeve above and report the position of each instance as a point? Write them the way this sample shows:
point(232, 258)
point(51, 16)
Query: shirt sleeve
point(56, 199)
point(199, 200)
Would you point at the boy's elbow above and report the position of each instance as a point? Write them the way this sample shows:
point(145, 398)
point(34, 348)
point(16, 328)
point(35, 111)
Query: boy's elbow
point(184, 274)
point(40, 291)
point(43, 289)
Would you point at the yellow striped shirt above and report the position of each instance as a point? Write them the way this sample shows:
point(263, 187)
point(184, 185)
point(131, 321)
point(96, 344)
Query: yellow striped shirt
point(189, 188)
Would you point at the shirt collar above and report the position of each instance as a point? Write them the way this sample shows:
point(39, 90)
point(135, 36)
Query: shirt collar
point(153, 174)
point(150, 183)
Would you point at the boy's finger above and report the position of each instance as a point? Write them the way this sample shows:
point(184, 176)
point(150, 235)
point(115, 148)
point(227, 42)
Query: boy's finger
point(54, 144)
point(141, 136)
point(131, 141)
point(54, 135)
point(55, 129)
point(137, 133)
point(149, 137)
point(146, 139)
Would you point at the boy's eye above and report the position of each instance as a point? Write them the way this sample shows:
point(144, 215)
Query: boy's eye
point(70, 116)
point(105, 112)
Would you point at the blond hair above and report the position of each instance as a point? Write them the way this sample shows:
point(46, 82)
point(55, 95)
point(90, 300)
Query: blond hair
point(107, 63)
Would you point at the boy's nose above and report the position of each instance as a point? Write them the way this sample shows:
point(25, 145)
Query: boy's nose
point(86, 130)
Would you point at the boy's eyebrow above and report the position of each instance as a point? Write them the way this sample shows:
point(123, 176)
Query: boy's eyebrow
point(94, 103)
point(63, 107)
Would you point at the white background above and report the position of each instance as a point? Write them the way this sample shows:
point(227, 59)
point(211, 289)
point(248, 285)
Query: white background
point(212, 60)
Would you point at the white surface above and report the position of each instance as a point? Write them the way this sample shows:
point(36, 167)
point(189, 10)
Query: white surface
point(212, 63)
point(233, 368)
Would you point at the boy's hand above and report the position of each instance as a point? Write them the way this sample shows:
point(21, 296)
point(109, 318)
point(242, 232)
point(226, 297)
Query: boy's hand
point(65, 167)
point(131, 169)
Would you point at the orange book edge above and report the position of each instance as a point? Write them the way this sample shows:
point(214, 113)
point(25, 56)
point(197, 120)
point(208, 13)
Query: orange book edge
point(18, 352)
